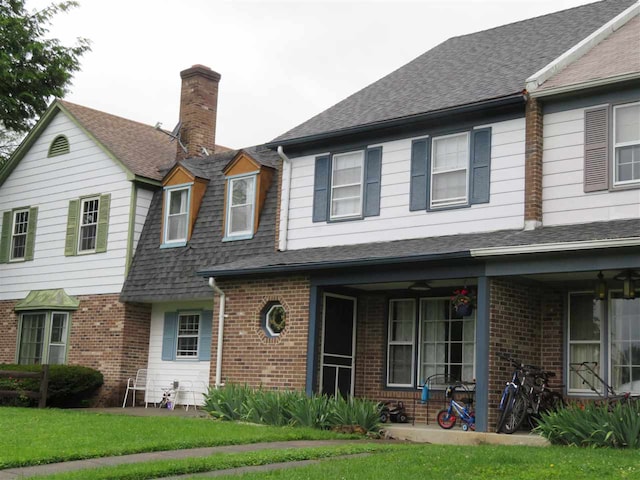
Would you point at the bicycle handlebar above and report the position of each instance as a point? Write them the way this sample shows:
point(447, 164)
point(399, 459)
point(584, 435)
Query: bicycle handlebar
point(532, 370)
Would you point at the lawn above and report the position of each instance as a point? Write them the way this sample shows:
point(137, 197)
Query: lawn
point(32, 436)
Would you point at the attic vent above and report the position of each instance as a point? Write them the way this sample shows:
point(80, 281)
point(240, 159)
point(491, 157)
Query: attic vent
point(59, 146)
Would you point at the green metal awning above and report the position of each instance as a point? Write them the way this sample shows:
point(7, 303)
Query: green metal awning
point(56, 299)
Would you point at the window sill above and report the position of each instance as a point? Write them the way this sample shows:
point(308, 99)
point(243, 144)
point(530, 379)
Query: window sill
point(174, 245)
point(233, 238)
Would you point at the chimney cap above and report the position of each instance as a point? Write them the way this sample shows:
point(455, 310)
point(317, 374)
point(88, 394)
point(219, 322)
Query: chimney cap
point(200, 70)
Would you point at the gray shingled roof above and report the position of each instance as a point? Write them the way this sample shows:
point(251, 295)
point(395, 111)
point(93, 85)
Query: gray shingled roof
point(431, 248)
point(463, 70)
point(170, 273)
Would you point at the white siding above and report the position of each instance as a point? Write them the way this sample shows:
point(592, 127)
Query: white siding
point(504, 211)
point(563, 198)
point(164, 373)
point(49, 184)
point(143, 201)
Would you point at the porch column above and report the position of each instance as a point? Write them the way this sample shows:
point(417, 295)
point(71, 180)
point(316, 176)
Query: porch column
point(482, 356)
point(314, 296)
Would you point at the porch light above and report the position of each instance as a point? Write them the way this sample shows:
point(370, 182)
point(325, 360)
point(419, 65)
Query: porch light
point(600, 290)
point(420, 287)
point(628, 279)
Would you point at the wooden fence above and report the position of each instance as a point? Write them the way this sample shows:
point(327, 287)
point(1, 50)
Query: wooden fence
point(40, 395)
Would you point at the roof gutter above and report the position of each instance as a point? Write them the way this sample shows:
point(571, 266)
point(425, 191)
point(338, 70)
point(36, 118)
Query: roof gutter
point(598, 82)
point(555, 247)
point(285, 194)
point(513, 99)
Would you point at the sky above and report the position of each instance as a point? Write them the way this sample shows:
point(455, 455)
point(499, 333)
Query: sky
point(281, 62)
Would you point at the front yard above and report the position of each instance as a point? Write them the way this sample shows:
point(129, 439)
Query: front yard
point(32, 437)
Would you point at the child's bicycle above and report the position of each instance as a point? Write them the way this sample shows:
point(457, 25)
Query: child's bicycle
point(447, 417)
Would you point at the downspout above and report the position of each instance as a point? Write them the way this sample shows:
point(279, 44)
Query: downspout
point(284, 210)
point(212, 284)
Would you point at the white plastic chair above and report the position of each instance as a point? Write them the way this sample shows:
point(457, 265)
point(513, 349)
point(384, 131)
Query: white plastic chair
point(141, 384)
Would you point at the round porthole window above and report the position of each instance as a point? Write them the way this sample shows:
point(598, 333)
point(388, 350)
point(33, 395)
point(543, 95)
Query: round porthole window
point(275, 319)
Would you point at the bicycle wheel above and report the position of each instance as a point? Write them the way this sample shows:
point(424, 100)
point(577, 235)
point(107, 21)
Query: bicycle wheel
point(515, 412)
point(551, 401)
point(445, 419)
point(505, 402)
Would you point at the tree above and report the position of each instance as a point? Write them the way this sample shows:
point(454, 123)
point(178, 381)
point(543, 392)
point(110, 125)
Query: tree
point(33, 68)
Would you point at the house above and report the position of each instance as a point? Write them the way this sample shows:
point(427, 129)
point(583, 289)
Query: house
point(447, 173)
point(73, 201)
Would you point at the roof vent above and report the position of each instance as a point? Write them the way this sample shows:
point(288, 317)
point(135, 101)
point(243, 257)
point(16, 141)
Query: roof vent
point(59, 146)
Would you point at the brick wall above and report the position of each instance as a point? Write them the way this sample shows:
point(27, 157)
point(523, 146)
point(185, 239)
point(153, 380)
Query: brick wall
point(526, 321)
point(250, 356)
point(99, 338)
point(533, 163)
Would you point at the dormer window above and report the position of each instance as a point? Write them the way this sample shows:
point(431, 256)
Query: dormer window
point(241, 196)
point(247, 182)
point(176, 215)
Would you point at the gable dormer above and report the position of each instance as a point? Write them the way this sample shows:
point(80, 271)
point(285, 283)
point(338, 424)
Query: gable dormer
point(246, 184)
point(182, 196)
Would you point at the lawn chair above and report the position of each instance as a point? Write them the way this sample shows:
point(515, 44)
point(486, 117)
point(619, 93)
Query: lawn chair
point(142, 383)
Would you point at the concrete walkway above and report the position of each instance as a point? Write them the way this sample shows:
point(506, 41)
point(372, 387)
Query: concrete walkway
point(49, 469)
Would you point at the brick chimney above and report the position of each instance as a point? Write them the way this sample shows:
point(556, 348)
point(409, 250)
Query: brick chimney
point(198, 110)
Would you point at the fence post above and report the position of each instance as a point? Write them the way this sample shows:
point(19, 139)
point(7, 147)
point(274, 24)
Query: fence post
point(44, 386)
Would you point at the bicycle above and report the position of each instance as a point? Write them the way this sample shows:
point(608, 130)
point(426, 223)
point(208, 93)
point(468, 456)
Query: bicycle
point(526, 396)
point(447, 417)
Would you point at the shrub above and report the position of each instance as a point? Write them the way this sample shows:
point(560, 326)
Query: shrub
point(272, 407)
point(69, 385)
point(593, 425)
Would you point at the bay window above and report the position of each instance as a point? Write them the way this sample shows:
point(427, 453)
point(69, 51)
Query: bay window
point(43, 338)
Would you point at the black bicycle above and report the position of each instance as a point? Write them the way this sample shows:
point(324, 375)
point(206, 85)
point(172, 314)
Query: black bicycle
point(526, 396)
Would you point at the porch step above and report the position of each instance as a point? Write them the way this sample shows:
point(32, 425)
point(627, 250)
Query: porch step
point(435, 434)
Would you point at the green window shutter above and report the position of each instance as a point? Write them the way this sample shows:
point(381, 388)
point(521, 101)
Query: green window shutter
point(206, 323)
point(5, 237)
point(480, 171)
point(71, 242)
point(103, 223)
point(31, 233)
point(169, 336)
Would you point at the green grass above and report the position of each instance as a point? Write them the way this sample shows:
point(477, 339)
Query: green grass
point(33, 437)
point(484, 462)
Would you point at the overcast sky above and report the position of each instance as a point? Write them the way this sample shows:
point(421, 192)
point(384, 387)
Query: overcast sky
point(281, 62)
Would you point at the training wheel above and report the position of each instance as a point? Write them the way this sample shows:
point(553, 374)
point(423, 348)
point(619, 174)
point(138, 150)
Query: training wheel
point(465, 427)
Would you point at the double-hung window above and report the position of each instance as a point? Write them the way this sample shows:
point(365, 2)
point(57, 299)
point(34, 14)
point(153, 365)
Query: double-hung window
point(626, 126)
point(240, 206)
point(88, 224)
point(449, 170)
point(43, 338)
point(606, 335)
point(446, 342)
point(19, 234)
point(401, 342)
point(176, 215)
point(346, 184)
point(188, 332)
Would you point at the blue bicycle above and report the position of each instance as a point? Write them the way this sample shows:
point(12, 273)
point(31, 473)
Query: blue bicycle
point(463, 409)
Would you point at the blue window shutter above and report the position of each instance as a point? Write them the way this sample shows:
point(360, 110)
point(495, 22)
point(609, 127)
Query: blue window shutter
point(480, 171)
point(169, 336)
point(419, 174)
point(204, 342)
point(321, 188)
point(372, 175)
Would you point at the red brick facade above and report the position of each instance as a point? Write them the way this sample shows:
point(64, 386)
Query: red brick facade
point(249, 356)
point(99, 338)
